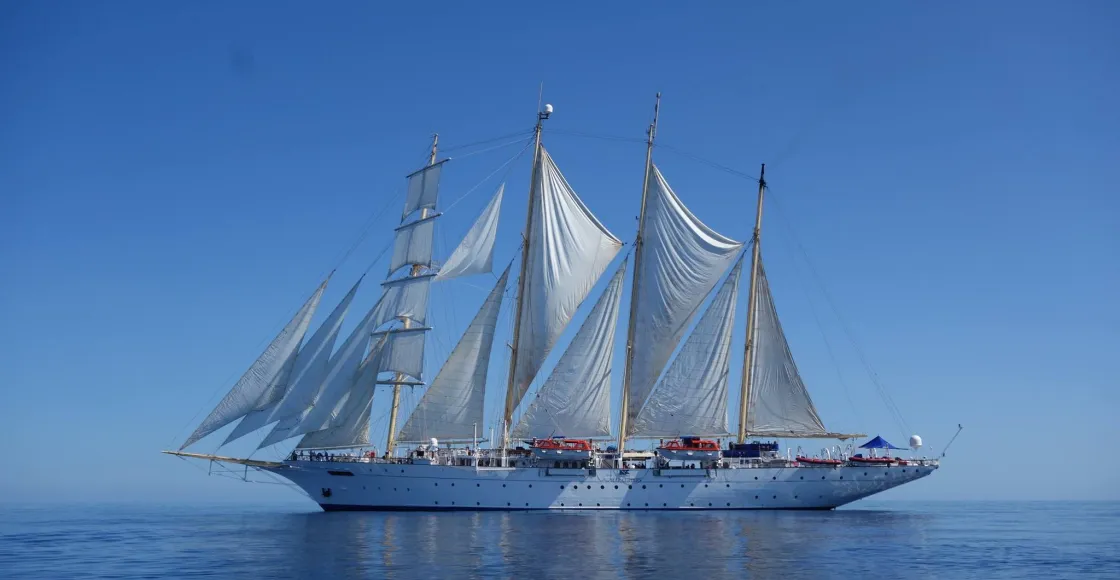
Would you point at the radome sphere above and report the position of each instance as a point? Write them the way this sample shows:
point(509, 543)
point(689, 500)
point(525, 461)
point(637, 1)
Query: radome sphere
point(915, 442)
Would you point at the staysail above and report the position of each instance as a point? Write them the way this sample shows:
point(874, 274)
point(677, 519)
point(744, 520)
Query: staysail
point(780, 405)
point(341, 373)
point(310, 368)
point(568, 250)
point(261, 376)
point(691, 397)
point(575, 400)
point(682, 259)
point(348, 423)
point(475, 254)
point(453, 405)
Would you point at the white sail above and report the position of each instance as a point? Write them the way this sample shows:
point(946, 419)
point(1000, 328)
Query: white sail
point(575, 401)
point(256, 381)
point(453, 404)
point(423, 189)
point(475, 254)
point(413, 243)
point(691, 397)
point(341, 374)
point(404, 298)
point(307, 375)
point(348, 423)
point(568, 250)
point(682, 259)
point(779, 402)
point(403, 351)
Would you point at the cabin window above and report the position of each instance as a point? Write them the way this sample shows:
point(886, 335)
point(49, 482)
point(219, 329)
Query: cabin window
point(347, 473)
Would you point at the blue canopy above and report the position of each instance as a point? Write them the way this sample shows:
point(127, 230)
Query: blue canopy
point(878, 443)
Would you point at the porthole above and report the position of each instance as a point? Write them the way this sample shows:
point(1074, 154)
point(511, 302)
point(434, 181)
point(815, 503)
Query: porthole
point(437, 503)
point(690, 504)
point(865, 473)
point(729, 485)
point(627, 504)
point(795, 497)
point(660, 485)
point(452, 485)
point(581, 505)
point(682, 486)
point(756, 497)
point(589, 487)
point(728, 505)
point(774, 478)
point(647, 505)
point(452, 503)
point(602, 487)
point(664, 505)
point(561, 505)
point(841, 477)
point(561, 487)
point(596, 505)
point(629, 487)
point(756, 478)
point(478, 485)
point(775, 497)
point(477, 503)
point(507, 504)
point(616, 487)
point(643, 486)
point(503, 485)
point(802, 477)
point(437, 484)
point(530, 485)
point(709, 504)
point(822, 477)
point(705, 485)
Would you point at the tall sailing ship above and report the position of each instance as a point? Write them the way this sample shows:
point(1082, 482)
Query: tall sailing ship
point(558, 452)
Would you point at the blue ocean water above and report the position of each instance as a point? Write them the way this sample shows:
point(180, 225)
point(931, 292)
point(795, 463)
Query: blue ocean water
point(871, 540)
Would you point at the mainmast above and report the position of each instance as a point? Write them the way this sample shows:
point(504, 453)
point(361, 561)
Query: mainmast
point(752, 300)
point(631, 327)
point(507, 415)
point(406, 323)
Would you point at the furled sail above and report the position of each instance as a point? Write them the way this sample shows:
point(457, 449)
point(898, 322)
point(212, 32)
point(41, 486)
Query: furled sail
point(260, 377)
point(341, 373)
point(475, 254)
point(309, 369)
point(404, 298)
point(779, 403)
point(576, 399)
point(423, 189)
point(691, 397)
point(568, 250)
point(682, 259)
point(413, 243)
point(453, 404)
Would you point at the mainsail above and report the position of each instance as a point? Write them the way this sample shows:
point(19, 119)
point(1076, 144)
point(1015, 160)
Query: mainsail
point(452, 406)
point(691, 397)
point(568, 250)
point(275, 362)
point(779, 403)
point(412, 245)
point(682, 259)
point(475, 254)
point(576, 398)
point(310, 369)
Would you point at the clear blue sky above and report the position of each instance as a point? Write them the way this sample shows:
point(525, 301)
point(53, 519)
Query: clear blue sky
point(175, 177)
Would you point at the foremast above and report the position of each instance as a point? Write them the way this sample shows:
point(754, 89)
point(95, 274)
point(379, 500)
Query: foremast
point(651, 133)
point(406, 323)
point(752, 299)
point(511, 400)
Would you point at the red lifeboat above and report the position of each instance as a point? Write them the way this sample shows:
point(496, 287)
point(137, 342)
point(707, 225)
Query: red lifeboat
point(689, 448)
point(559, 448)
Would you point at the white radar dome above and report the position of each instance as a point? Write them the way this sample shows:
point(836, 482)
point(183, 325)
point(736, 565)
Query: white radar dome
point(915, 442)
point(435, 442)
point(548, 109)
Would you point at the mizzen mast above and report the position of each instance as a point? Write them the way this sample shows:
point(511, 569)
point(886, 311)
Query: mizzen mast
point(511, 400)
point(631, 326)
point(406, 323)
point(752, 303)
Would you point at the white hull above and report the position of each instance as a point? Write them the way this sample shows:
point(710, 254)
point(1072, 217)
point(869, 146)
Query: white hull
point(390, 486)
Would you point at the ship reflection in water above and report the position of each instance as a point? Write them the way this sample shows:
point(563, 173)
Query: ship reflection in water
point(592, 544)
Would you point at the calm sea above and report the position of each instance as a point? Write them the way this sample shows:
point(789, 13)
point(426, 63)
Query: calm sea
point(873, 540)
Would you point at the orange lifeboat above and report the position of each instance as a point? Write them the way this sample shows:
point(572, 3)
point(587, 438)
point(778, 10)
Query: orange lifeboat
point(689, 449)
point(559, 448)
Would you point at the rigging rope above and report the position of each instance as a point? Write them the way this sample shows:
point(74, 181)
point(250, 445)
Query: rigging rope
point(888, 401)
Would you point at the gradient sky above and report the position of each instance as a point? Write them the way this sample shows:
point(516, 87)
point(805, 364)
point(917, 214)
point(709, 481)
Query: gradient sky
point(176, 177)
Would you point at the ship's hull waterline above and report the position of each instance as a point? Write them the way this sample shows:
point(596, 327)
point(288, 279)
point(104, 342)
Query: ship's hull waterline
point(338, 486)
